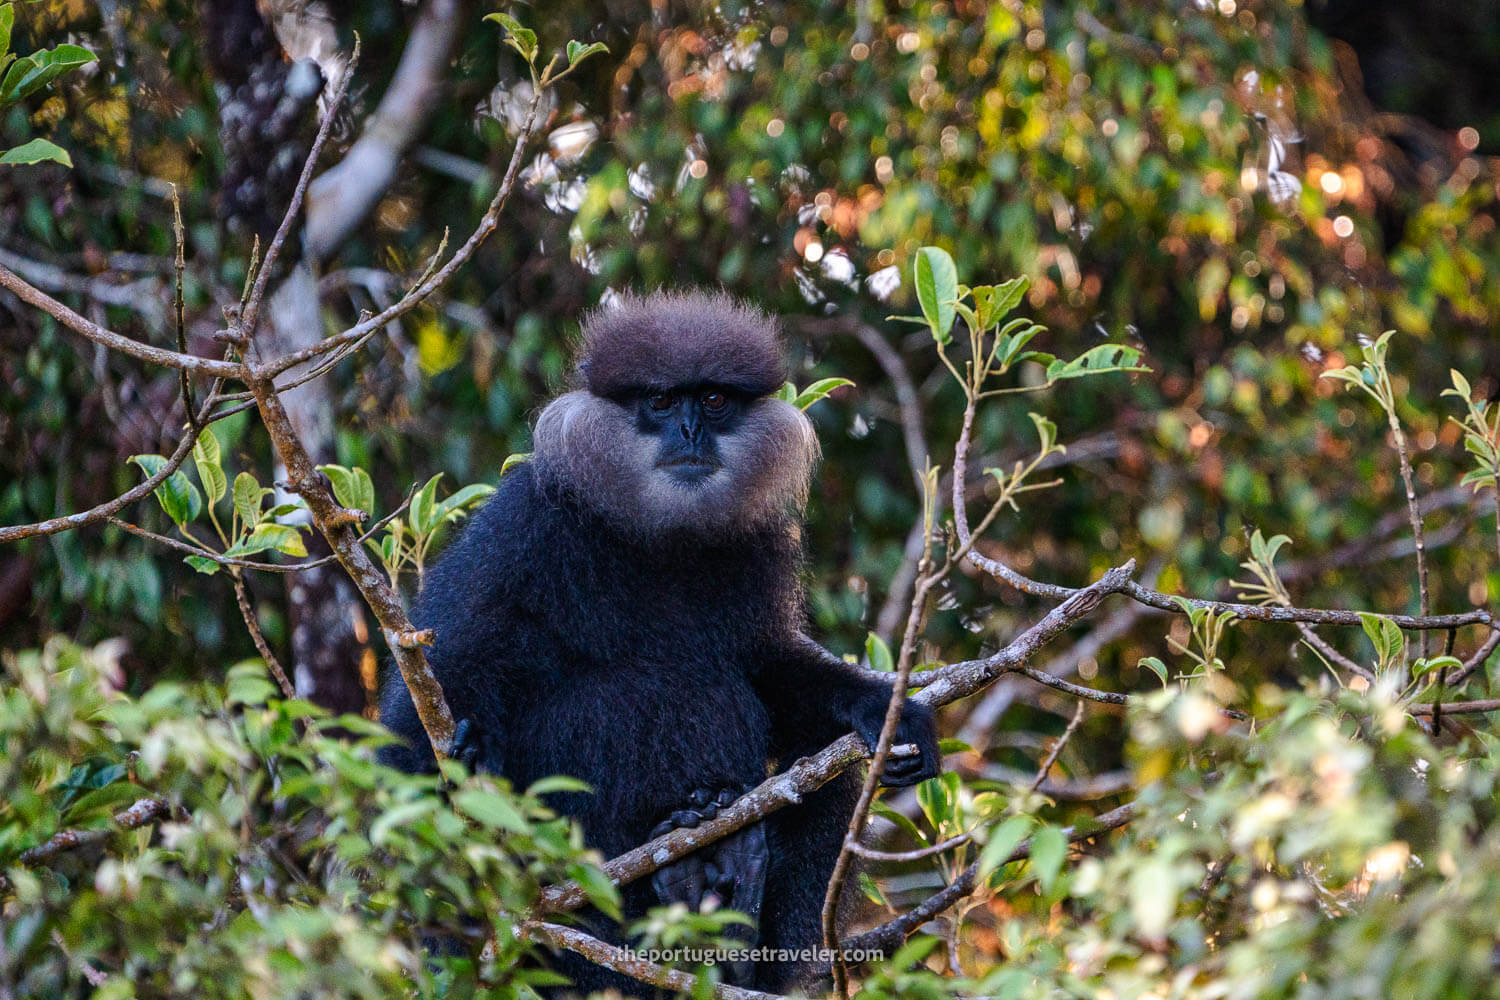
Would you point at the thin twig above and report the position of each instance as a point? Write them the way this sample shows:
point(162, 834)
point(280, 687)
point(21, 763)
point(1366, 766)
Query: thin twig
point(1476, 660)
point(1415, 514)
point(237, 563)
point(1316, 641)
point(190, 363)
point(1456, 707)
point(917, 854)
point(136, 815)
point(1057, 748)
point(412, 299)
point(109, 507)
point(242, 598)
point(630, 963)
point(250, 315)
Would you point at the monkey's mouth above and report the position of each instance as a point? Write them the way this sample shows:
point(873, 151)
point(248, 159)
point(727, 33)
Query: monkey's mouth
point(689, 469)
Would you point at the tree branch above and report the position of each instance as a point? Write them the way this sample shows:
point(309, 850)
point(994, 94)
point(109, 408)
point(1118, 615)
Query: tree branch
point(629, 963)
point(190, 363)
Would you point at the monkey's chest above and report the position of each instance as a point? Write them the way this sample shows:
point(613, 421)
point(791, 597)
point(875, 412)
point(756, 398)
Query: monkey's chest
point(643, 735)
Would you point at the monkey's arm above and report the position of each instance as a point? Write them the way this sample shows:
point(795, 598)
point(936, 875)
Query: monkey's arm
point(814, 697)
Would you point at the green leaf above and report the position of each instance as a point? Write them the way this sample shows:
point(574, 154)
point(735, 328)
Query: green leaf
point(937, 797)
point(352, 488)
point(787, 393)
point(202, 564)
point(36, 151)
point(177, 496)
point(995, 301)
point(1048, 849)
point(1436, 663)
point(458, 504)
point(879, 654)
point(29, 74)
point(269, 535)
point(511, 461)
point(1154, 664)
point(491, 809)
point(1097, 361)
point(1012, 338)
point(422, 514)
point(578, 51)
point(936, 279)
point(7, 21)
point(210, 471)
point(913, 951)
point(597, 887)
point(1460, 386)
point(557, 783)
point(1046, 430)
point(871, 889)
point(900, 819)
point(523, 40)
point(818, 391)
point(1003, 839)
point(248, 494)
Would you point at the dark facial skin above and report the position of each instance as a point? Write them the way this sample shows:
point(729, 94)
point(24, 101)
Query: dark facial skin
point(687, 422)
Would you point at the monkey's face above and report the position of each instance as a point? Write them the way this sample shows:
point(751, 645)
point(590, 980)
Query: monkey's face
point(703, 457)
point(687, 424)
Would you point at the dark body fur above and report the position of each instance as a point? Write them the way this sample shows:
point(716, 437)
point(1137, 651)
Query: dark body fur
point(650, 659)
point(592, 655)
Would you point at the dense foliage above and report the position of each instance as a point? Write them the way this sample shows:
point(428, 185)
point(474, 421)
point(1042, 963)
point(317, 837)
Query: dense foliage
point(1204, 188)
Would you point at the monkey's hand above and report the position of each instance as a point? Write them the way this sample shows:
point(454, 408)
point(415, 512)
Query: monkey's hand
point(732, 869)
point(914, 755)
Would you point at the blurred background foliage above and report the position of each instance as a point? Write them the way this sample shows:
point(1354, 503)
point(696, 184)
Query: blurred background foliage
point(1242, 189)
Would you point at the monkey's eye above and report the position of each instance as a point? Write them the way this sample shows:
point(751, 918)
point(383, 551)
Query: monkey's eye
point(660, 402)
point(714, 402)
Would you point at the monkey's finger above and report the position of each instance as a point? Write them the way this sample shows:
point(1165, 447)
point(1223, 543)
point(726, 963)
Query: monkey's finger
point(680, 882)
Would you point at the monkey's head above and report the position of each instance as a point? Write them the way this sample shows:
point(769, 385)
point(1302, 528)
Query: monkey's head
point(671, 426)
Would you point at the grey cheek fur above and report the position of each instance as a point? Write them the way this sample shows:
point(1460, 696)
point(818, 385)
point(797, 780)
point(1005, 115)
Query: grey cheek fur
point(591, 447)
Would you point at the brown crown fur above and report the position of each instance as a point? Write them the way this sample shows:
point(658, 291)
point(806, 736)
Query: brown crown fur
point(668, 339)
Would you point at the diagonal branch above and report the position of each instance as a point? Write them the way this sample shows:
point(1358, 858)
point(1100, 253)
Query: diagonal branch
point(189, 363)
point(631, 964)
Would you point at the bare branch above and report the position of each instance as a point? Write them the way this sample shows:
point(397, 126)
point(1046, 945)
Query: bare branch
point(190, 363)
point(1057, 748)
point(871, 854)
point(1456, 707)
point(250, 315)
point(109, 507)
point(1316, 642)
point(344, 195)
point(413, 298)
point(137, 815)
point(242, 598)
point(1475, 661)
point(614, 957)
point(957, 681)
